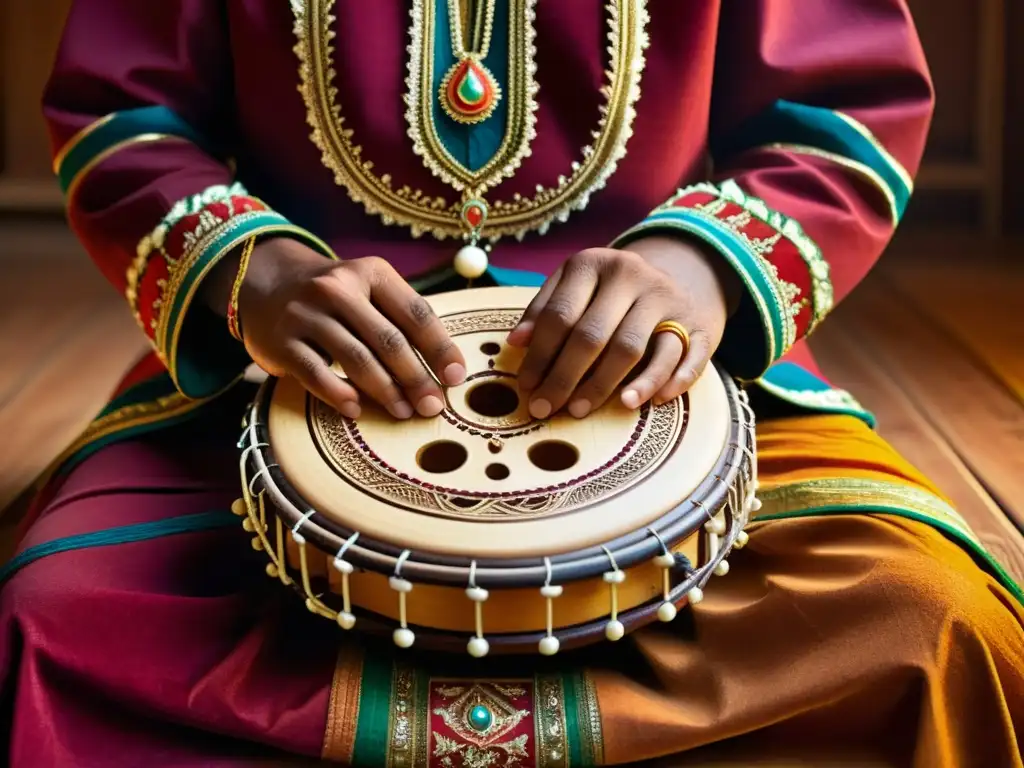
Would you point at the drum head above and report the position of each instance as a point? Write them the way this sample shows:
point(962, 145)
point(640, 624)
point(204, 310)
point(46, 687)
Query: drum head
point(485, 480)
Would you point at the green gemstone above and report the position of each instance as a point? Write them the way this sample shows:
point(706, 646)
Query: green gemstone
point(480, 718)
point(471, 87)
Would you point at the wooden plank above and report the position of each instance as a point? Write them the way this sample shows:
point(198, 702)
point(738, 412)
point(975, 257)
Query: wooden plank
point(849, 361)
point(981, 312)
point(975, 414)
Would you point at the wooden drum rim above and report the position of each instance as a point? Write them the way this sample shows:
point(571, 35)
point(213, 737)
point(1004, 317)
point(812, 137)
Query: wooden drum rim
point(422, 566)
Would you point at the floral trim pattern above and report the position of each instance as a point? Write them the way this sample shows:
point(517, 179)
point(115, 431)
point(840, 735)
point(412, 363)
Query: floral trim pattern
point(787, 278)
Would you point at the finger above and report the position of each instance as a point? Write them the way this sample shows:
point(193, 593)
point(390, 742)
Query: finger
point(523, 332)
point(416, 319)
point(393, 350)
point(689, 370)
point(555, 321)
point(600, 326)
point(361, 366)
point(309, 368)
point(626, 349)
point(668, 349)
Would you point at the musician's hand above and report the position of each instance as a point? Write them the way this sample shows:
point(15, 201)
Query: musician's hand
point(596, 315)
point(299, 310)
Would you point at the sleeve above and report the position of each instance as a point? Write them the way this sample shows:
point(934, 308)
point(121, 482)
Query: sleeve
point(820, 113)
point(140, 112)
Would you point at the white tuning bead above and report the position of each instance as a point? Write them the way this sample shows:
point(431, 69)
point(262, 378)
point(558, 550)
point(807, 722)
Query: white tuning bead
point(722, 568)
point(715, 525)
point(470, 262)
point(614, 577)
point(551, 591)
point(548, 645)
point(665, 560)
point(476, 594)
point(695, 595)
point(741, 540)
point(666, 612)
point(343, 567)
point(614, 630)
point(400, 585)
point(478, 647)
point(403, 637)
point(755, 504)
point(346, 620)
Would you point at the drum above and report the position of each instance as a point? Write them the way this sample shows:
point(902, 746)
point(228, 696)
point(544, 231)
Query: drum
point(486, 530)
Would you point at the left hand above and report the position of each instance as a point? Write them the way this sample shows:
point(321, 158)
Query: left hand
point(597, 315)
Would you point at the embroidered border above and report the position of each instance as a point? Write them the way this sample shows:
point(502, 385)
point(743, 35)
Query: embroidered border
point(421, 213)
point(521, 89)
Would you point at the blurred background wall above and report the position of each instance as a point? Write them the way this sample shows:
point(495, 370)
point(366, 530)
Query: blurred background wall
point(971, 180)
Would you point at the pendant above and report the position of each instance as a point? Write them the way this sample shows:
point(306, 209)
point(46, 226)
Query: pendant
point(471, 261)
point(469, 92)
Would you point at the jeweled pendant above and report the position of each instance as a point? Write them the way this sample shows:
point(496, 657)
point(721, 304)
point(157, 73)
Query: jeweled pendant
point(469, 92)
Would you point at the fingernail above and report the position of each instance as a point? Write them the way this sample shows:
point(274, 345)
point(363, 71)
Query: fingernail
point(579, 408)
point(429, 406)
point(631, 398)
point(540, 409)
point(401, 410)
point(350, 410)
point(454, 374)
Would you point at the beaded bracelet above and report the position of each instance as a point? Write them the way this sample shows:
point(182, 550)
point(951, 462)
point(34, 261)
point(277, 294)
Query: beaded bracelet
point(234, 321)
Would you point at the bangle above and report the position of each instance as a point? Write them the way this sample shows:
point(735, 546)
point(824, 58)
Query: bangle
point(234, 321)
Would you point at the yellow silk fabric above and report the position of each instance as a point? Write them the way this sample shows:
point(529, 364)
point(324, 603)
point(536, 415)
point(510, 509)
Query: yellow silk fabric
point(832, 636)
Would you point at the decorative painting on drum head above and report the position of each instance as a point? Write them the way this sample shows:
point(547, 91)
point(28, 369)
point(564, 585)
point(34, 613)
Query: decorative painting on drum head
point(485, 457)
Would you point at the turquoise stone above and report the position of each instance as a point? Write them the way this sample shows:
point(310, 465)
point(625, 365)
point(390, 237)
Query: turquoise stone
point(472, 87)
point(480, 718)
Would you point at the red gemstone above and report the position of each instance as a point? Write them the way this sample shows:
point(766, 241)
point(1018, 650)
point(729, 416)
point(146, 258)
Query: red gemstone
point(474, 215)
point(455, 99)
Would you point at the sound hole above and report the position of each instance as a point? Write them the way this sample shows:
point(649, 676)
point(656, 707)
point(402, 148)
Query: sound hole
point(553, 455)
point(493, 398)
point(441, 456)
point(490, 348)
point(496, 471)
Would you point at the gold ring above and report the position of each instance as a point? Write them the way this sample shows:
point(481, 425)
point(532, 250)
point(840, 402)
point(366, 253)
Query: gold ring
point(677, 330)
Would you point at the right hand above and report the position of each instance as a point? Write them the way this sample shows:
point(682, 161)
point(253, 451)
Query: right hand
point(297, 308)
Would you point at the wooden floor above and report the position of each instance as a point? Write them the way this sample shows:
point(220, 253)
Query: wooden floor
point(932, 342)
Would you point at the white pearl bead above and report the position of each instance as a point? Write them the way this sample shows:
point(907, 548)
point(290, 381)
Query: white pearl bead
point(614, 577)
point(666, 612)
point(476, 594)
point(343, 566)
point(695, 595)
point(665, 560)
point(614, 630)
point(403, 637)
point(722, 568)
point(551, 591)
point(471, 261)
point(755, 504)
point(741, 540)
point(346, 620)
point(399, 584)
point(478, 647)
point(548, 645)
point(715, 525)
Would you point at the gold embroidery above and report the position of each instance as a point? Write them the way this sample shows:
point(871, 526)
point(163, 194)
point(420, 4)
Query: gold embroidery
point(814, 398)
point(421, 213)
point(863, 494)
point(591, 732)
point(481, 747)
point(520, 128)
point(406, 745)
point(552, 739)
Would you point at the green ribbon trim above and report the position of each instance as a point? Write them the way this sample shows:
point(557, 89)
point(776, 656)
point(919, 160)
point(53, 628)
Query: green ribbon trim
point(789, 382)
point(372, 737)
point(116, 128)
point(787, 122)
point(203, 357)
point(125, 534)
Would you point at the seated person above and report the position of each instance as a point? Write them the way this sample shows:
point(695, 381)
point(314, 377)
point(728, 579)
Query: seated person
point(280, 182)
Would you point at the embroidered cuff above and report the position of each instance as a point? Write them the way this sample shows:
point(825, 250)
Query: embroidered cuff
point(788, 291)
point(171, 263)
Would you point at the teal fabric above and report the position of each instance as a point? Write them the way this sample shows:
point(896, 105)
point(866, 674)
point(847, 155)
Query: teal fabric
point(516, 277)
point(124, 125)
point(473, 146)
point(787, 122)
point(143, 392)
point(785, 380)
point(126, 534)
